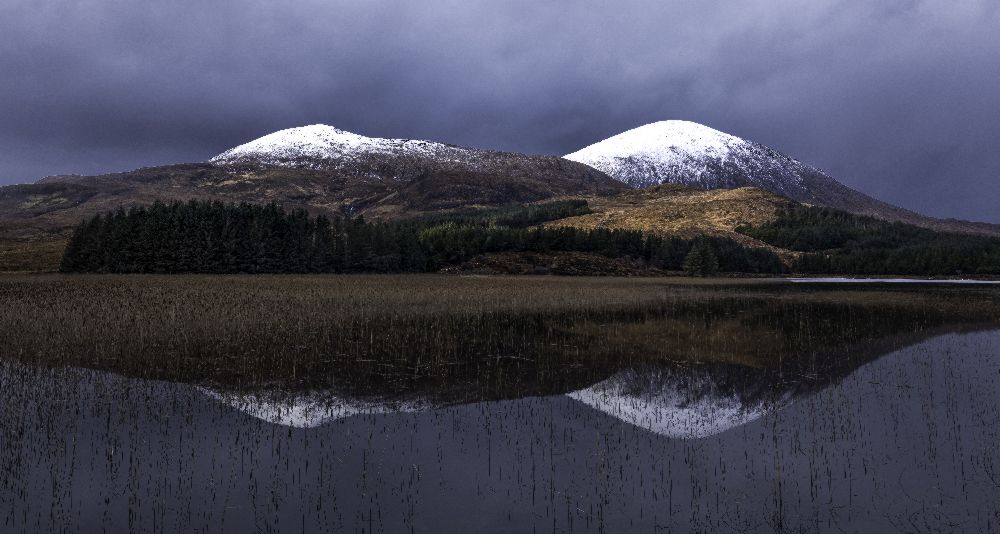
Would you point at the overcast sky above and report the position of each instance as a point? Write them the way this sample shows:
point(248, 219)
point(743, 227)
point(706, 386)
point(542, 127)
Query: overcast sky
point(897, 98)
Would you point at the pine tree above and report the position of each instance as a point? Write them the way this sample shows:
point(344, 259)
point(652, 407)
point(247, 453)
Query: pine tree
point(701, 261)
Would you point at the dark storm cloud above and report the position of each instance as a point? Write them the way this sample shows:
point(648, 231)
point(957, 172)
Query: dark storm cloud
point(899, 99)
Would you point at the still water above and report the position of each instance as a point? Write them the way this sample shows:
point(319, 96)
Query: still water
point(844, 280)
point(904, 441)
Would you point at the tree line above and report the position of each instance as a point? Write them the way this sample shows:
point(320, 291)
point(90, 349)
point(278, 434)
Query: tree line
point(837, 242)
point(212, 237)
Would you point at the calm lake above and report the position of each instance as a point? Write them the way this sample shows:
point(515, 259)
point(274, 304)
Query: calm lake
point(893, 431)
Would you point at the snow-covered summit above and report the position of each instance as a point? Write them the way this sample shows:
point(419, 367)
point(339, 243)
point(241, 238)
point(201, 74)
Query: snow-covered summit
point(689, 153)
point(664, 142)
point(323, 145)
point(366, 168)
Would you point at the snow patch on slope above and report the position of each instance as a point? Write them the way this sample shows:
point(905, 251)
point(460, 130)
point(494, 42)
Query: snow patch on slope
point(320, 145)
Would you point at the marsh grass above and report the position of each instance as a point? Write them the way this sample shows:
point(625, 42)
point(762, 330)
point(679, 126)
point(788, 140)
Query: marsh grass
point(31, 255)
point(391, 335)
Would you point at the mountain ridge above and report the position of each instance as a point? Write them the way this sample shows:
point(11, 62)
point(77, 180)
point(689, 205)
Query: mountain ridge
point(319, 168)
point(324, 146)
point(329, 171)
point(687, 153)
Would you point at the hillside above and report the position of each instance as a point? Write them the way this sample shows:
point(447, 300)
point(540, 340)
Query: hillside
point(829, 241)
point(36, 219)
point(320, 169)
point(686, 212)
point(682, 211)
point(691, 154)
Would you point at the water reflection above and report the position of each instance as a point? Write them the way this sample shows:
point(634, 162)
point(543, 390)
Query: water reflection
point(683, 403)
point(901, 438)
point(309, 410)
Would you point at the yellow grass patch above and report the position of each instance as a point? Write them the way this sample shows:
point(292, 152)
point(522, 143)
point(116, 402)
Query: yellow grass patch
point(685, 212)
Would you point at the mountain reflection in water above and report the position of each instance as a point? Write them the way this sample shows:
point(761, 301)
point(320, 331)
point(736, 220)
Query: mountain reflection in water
point(674, 403)
point(307, 410)
point(901, 442)
point(680, 402)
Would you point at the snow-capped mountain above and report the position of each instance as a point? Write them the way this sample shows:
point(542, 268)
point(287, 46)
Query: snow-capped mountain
point(424, 175)
point(322, 146)
point(688, 153)
point(327, 170)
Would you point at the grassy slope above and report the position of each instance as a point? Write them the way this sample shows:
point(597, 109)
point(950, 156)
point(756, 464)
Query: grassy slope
point(682, 211)
point(52, 207)
point(685, 212)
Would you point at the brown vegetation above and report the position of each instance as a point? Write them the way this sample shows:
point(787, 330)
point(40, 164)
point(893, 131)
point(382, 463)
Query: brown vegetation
point(685, 212)
point(557, 263)
point(31, 256)
point(53, 206)
point(681, 211)
point(397, 333)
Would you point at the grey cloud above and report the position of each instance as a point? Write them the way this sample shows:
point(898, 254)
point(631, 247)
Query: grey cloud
point(898, 98)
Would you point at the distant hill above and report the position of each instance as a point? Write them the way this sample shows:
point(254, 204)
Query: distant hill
point(671, 177)
point(319, 168)
point(691, 154)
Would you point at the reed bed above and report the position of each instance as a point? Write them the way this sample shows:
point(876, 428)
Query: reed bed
point(391, 334)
